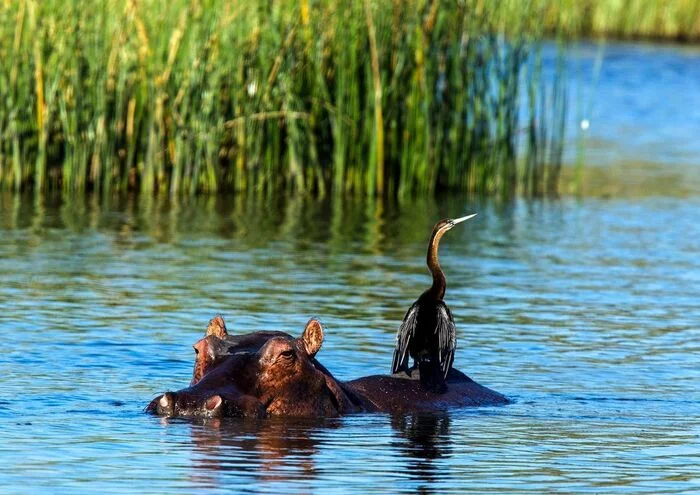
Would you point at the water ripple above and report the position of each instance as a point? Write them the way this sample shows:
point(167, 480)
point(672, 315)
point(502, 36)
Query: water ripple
point(584, 312)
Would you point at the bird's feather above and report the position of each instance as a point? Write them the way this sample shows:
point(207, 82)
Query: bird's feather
point(403, 339)
point(447, 337)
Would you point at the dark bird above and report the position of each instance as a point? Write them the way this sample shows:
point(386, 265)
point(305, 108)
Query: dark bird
point(427, 333)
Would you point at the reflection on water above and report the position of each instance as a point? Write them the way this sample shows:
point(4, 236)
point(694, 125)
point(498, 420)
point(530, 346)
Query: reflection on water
point(425, 438)
point(276, 450)
point(270, 451)
point(585, 312)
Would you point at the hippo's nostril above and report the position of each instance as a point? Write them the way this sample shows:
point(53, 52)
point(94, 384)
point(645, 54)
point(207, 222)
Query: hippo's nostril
point(166, 404)
point(213, 403)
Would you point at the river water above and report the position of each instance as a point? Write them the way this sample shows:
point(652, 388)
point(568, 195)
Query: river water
point(633, 116)
point(584, 312)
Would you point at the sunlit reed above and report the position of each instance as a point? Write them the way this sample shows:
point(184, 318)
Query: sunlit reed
point(395, 97)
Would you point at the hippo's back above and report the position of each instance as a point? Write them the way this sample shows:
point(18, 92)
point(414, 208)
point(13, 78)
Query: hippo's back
point(403, 392)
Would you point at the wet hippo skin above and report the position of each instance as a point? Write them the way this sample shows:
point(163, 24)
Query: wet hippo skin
point(271, 373)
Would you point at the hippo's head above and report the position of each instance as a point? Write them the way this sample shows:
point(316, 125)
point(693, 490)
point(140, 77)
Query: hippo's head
point(267, 373)
point(217, 344)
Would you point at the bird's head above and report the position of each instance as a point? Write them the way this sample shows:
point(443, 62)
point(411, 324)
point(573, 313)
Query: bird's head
point(444, 225)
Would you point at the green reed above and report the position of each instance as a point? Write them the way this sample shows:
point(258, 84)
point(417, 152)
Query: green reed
point(361, 97)
point(658, 19)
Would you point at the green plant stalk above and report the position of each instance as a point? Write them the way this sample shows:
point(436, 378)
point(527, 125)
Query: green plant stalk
point(404, 97)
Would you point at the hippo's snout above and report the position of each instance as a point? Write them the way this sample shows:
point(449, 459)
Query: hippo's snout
point(167, 404)
point(163, 405)
point(172, 404)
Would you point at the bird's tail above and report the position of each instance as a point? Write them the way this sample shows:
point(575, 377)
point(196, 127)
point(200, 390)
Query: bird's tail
point(431, 376)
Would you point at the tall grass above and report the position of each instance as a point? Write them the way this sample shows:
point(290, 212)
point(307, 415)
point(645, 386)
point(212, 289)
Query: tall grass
point(659, 19)
point(184, 96)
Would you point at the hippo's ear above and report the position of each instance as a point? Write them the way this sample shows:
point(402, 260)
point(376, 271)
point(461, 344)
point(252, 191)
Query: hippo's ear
point(312, 336)
point(217, 327)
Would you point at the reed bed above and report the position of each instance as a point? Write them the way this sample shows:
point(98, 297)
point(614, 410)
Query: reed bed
point(673, 20)
point(367, 97)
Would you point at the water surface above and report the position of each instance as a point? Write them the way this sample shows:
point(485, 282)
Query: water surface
point(640, 106)
point(585, 312)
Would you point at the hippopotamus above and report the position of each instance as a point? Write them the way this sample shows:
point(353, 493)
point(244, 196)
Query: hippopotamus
point(271, 373)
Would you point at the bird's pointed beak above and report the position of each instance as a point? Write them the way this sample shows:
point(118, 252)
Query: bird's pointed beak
point(463, 219)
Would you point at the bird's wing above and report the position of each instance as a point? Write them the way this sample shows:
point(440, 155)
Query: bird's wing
point(403, 339)
point(447, 337)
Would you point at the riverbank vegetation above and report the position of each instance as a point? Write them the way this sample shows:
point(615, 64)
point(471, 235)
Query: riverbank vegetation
point(670, 20)
point(363, 97)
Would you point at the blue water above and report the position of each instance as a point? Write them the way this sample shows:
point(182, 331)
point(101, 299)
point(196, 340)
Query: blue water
point(641, 100)
point(633, 117)
point(585, 312)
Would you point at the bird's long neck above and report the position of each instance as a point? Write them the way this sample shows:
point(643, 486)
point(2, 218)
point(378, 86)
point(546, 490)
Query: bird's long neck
point(437, 290)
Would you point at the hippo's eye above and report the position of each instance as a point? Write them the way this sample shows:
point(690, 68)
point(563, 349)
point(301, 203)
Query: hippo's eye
point(289, 353)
